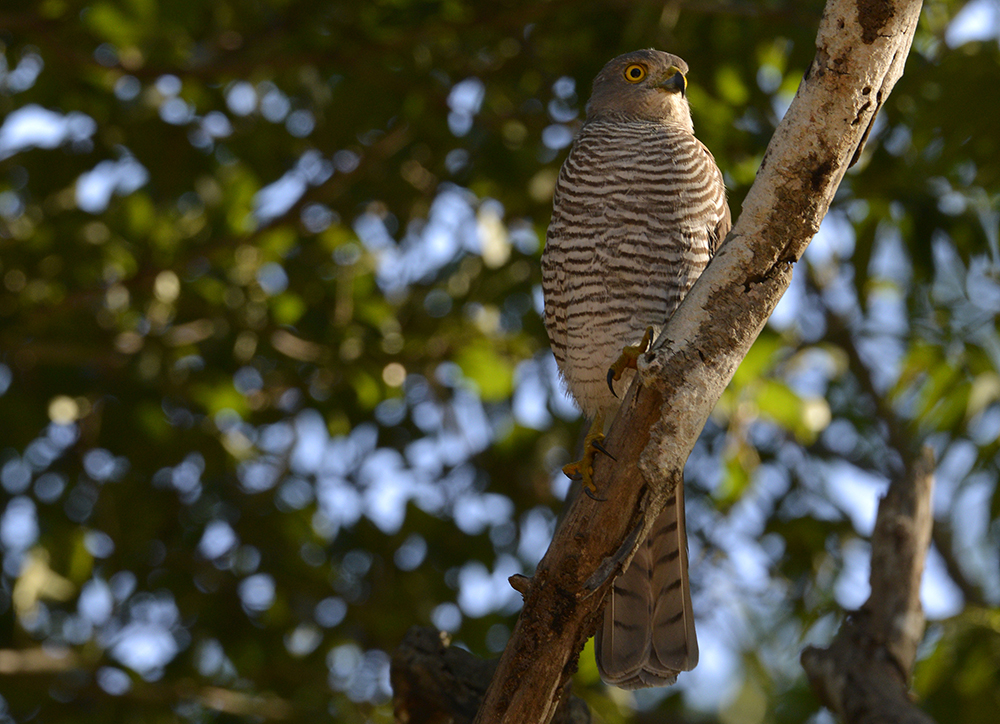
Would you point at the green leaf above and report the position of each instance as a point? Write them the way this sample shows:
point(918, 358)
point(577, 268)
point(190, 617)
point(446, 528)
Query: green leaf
point(287, 308)
point(492, 373)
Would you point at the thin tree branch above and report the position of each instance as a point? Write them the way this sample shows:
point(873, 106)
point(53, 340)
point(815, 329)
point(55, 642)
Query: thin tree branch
point(861, 48)
point(900, 439)
point(52, 661)
point(943, 541)
point(863, 675)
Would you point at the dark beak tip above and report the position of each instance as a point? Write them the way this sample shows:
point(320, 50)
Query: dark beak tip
point(675, 82)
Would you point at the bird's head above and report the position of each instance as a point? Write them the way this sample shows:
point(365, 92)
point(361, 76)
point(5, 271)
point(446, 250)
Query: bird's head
point(645, 85)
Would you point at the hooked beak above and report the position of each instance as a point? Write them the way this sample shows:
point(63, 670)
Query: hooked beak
point(675, 81)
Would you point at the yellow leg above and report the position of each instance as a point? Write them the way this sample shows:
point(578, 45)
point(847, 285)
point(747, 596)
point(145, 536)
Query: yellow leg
point(583, 469)
point(628, 359)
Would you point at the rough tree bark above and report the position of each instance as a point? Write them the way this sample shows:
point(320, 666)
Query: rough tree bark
point(863, 674)
point(861, 49)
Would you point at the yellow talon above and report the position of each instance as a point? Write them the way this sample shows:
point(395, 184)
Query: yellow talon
point(628, 359)
point(583, 469)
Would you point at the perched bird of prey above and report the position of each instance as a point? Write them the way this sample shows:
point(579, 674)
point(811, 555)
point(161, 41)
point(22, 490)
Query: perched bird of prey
point(638, 211)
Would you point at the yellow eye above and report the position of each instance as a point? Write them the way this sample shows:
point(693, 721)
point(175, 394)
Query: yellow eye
point(635, 73)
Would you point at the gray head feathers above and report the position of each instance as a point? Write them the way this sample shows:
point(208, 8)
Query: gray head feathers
point(644, 85)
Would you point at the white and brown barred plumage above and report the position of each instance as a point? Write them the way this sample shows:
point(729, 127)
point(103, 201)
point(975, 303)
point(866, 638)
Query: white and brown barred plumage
point(639, 209)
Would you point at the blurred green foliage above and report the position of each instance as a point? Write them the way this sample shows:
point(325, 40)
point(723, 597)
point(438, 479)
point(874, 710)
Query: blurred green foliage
point(274, 386)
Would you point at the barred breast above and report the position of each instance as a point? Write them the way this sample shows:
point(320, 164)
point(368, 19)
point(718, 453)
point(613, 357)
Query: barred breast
point(639, 208)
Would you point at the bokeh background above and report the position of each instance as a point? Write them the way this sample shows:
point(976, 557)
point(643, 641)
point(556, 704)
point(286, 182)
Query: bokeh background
point(274, 386)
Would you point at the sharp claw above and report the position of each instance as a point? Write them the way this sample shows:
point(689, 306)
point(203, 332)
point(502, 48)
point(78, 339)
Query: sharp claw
point(600, 446)
point(582, 469)
point(629, 359)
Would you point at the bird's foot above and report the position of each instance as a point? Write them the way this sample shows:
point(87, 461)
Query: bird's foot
point(583, 469)
point(628, 359)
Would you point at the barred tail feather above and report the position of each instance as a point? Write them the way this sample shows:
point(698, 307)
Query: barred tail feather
point(648, 634)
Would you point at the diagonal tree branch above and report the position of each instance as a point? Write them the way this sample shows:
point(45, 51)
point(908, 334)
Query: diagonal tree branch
point(433, 681)
point(863, 675)
point(861, 49)
point(902, 441)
